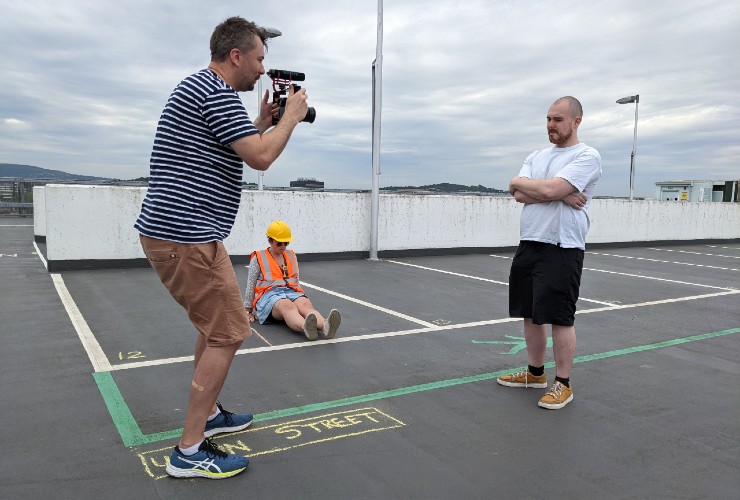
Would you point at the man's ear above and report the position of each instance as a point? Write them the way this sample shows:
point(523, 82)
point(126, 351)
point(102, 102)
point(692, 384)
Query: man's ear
point(235, 56)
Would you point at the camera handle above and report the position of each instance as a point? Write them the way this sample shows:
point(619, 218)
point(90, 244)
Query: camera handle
point(281, 91)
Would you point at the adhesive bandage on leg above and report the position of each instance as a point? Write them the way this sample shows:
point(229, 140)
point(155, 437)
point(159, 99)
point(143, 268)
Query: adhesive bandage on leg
point(197, 387)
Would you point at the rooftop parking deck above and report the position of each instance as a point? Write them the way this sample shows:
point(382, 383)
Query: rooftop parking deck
point(403, 404)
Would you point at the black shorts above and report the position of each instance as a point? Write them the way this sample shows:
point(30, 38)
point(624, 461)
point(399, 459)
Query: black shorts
point(544, 283)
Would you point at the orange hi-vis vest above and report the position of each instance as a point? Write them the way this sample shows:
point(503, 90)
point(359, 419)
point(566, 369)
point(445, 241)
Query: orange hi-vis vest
point(272, 275)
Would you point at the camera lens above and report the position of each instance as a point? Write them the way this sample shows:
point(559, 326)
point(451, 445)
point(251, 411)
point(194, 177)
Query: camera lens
point(310, 115)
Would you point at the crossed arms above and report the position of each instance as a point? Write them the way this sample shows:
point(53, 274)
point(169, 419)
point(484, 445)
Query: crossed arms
point(527, 190)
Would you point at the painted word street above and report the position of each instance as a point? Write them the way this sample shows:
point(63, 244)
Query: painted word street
point(284, 436)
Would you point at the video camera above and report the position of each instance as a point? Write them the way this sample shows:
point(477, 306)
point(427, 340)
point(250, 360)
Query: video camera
point(281, 81)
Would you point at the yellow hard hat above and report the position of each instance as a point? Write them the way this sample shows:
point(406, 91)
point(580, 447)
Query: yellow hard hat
point(279, 231)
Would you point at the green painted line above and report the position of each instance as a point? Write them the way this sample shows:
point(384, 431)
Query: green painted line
point(657, 345)
point(132, 436)
point(122, 418)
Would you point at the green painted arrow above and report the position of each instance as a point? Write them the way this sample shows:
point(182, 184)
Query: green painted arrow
point(518, 344)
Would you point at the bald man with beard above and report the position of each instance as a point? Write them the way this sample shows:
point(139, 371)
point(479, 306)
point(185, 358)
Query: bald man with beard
point(556, 186)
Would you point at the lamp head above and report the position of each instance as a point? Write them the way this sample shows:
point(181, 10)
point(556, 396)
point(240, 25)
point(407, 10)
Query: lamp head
point(271, 32)
point(629, 99)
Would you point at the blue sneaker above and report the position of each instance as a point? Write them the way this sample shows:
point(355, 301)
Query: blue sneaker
point(208, 462)
point(227, 422)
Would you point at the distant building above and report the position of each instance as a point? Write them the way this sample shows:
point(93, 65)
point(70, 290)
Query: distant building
point(7, 189)
point(13, 189)
point(697, 190)
point(16, 195)
point(307, 182)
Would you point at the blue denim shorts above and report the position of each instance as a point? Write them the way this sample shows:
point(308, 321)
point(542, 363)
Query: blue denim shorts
point(268, 299)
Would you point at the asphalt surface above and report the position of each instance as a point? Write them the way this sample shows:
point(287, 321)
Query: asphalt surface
point(403, 404)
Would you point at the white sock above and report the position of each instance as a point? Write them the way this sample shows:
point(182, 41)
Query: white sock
point(190, 451)
point(218, 412)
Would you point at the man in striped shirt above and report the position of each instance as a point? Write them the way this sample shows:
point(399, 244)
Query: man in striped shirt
point(203, 136)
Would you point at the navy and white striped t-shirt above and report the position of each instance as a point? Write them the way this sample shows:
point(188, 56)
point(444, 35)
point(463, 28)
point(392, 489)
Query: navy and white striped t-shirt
point(195, 178)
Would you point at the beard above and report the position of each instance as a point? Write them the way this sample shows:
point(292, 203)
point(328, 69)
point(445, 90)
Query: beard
point(246, 84)
point(557, 138)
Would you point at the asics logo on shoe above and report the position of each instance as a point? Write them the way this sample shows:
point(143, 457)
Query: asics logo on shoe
point(205, 465)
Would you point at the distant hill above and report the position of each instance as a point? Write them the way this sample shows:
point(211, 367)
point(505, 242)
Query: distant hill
point(446, 187)
point(30, 172)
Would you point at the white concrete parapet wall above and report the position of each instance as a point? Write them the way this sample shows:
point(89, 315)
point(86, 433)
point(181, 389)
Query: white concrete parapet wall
point(624, 221)
point(95, 223)
point(39, 211)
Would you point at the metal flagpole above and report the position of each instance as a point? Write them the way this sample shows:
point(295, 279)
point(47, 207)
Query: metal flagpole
point(271, 33)
point(260, 174)
point(377, 105)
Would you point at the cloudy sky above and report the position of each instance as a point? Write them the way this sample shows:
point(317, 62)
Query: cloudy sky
point(466, 85)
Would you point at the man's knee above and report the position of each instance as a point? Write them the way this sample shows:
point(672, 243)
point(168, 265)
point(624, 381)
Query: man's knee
point(236, 345)
point(226, 347)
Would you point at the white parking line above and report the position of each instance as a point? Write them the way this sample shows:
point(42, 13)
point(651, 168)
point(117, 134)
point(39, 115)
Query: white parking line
point(371, 306)
point(696, 253)
point(663, 261)
point(659, 279)
point(368, 304)
point(97, 357)
point(724, 248)
point(483, 279)
point(434, 328)
point(260, 336)
point(41, 255)
point(642, 276)
point(658, 302)
point(447, 272)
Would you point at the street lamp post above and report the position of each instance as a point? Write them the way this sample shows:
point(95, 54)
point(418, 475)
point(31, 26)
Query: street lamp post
point(271, 33)
point(636, 100)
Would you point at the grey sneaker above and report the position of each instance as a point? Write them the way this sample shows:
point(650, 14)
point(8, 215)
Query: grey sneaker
point(332, 323)
point(309, 327)
point(208, 462)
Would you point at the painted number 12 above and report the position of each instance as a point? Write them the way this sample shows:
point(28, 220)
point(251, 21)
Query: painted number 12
point(131, 355)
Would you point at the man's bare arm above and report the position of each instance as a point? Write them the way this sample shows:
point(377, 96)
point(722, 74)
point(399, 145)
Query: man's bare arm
point(527, 190)
point(259, 151)
point(542, 189)
point(521, 197)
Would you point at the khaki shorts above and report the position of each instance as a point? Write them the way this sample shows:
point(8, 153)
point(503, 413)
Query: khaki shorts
point(201, 278)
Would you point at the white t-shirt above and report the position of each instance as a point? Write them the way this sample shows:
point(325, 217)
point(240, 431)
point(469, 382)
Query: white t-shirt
point(554, 221)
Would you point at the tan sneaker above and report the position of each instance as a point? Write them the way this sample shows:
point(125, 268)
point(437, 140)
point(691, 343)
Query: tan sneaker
point(332, 323)
point(523, 379)
point(557, 397)
point(309, 326)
